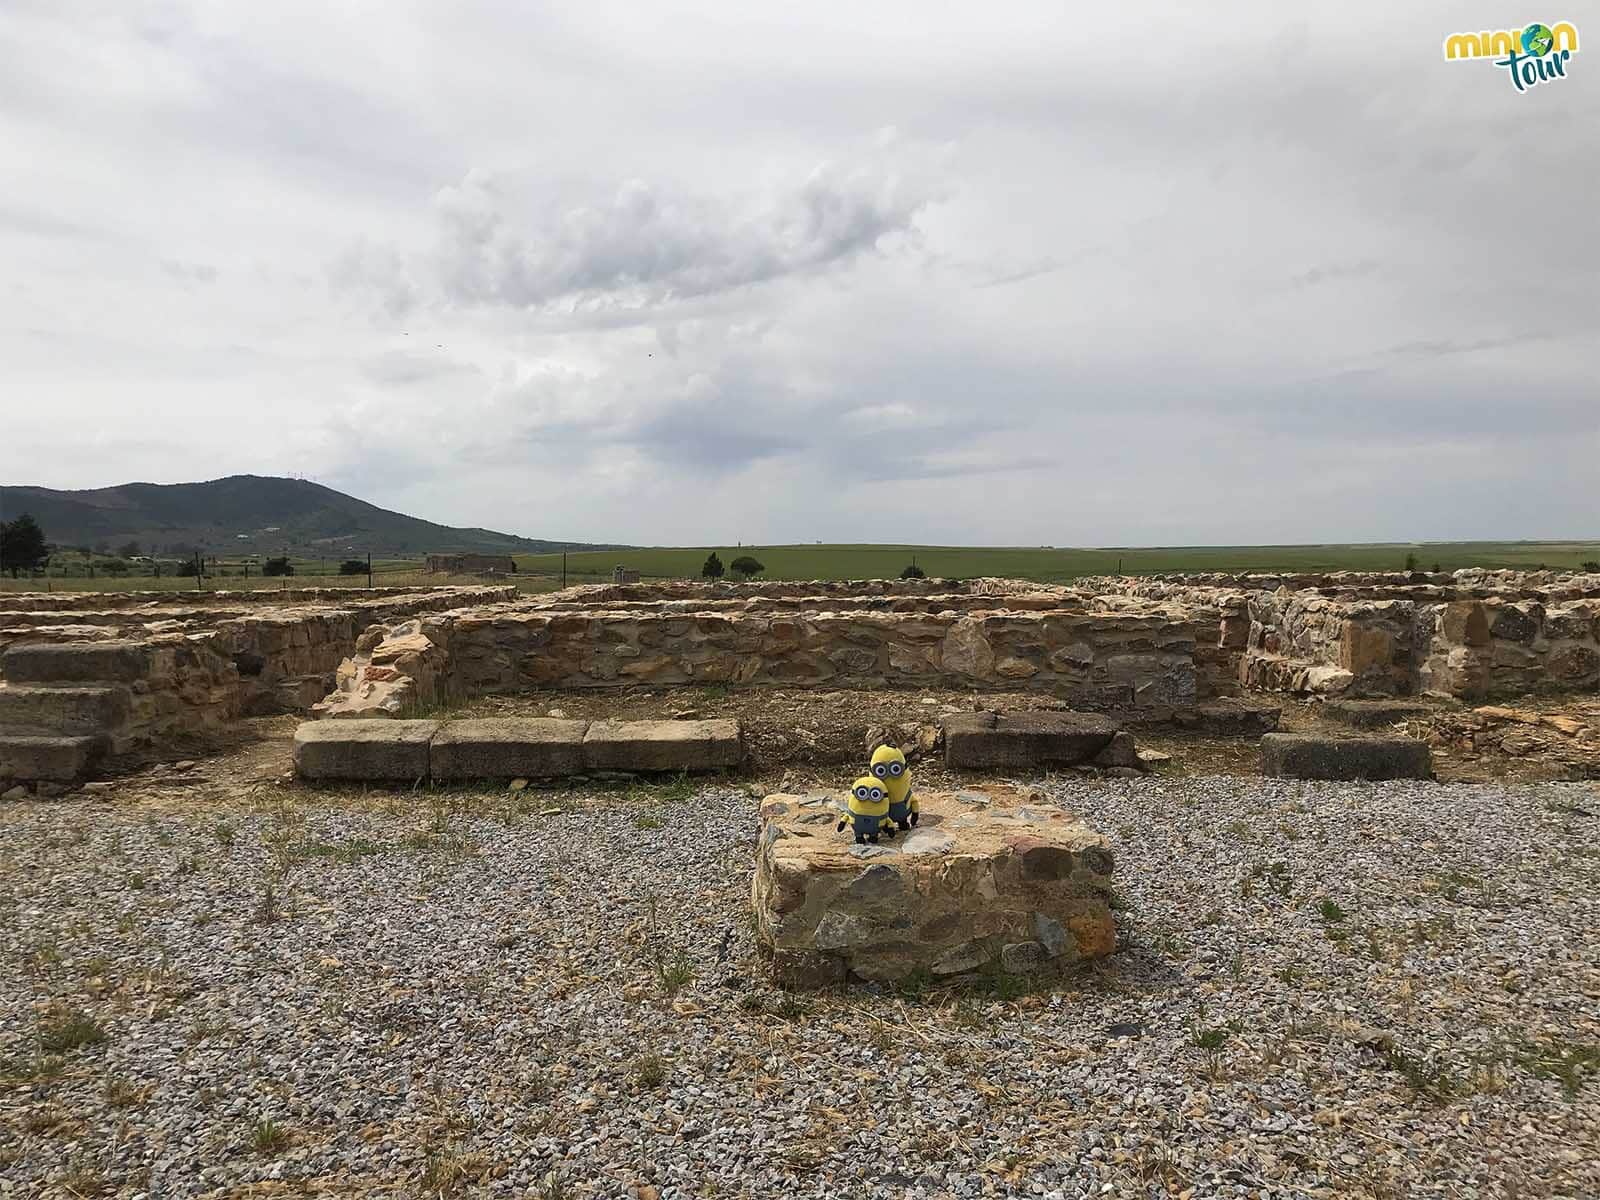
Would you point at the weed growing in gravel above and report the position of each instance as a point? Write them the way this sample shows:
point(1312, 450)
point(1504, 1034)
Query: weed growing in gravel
point(650, 1071)
point(647, 821)
point(267, 907)
point(1330, 911)
point(351, 850)
point(136, 881)
point(752, 1002)
point(120, 1093)
point(791, 1008)
point(1434, 1082)
point(225, 835)
point(37, 1067)
point(1566, 1064)
point(81, 1181)
point(268, 1137)
point(915, 985)
point(1276, 877)
point(67, 1029)
point(1000, 984)
point(43, 957)
point(674, 974)
point(1209, 1039)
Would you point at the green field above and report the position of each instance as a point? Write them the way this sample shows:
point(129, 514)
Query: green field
point(1056, 566)
point(543, 572)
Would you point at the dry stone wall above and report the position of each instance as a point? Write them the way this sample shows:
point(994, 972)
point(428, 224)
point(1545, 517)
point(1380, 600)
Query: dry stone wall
point(1100, 658)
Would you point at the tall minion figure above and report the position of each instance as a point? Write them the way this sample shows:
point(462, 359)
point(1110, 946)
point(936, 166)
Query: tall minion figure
point(889, 767)
point(866, 809)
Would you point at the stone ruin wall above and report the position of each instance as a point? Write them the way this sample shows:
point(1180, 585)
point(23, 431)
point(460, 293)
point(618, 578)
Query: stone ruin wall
point(1101, 659)
point(188, 674)
point(1473, 634)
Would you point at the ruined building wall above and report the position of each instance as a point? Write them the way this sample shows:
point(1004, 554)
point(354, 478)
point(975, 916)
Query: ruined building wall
point(1108, 658)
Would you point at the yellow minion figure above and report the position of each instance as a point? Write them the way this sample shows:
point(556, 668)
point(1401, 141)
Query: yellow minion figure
point(865, 809)
point(889, 768)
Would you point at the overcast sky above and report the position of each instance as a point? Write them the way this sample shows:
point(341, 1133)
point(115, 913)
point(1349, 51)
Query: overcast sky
point(688, 274)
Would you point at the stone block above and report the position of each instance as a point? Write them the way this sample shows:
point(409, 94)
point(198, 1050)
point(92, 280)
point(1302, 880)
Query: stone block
point(1303, 756)
point(64, 708)
point(1231, 717)
point(58, 757)
point(1020, 740)
point(663, 745)
point(363, 750)
point(1465, 623)
point(999, 878)
point(76, 662)
point(1120, 751)
point(508, 748)
point(1374, 714)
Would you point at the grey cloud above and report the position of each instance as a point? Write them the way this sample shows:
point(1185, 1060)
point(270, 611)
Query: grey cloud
point(642, 245)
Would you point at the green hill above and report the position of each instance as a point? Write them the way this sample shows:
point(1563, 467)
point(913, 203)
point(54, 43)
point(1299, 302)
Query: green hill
point(248, 514)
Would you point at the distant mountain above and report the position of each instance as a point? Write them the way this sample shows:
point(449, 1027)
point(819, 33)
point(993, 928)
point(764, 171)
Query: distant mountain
point(250, 514)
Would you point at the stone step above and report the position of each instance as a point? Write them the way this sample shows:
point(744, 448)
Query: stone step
point(1023, 740)
point(508, 748)
point(65, 708)
point(35, 754)
point(1305, 756)
point(391, 751)
point(663, 745)
point(75, 662)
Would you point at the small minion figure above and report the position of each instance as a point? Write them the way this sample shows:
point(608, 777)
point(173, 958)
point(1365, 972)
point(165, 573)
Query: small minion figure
point(866, 809)
point(889, 767)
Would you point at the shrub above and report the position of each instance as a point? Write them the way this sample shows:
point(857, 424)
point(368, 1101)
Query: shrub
point(913, 572)
point(280, 566)
point(1592, 567)
point(747, 566)
point(712, 568)
point(353, 566)
point(114, 566)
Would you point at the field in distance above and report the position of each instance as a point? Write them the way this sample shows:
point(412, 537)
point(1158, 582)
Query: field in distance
point(1051, 565)
point(542, 572)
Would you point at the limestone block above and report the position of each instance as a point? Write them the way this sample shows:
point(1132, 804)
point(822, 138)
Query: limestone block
point(81, 662)
point(507, 748)
point(1303, 756)
point(65, 708)
point(967, 651)
point(60, 758)
point(663, 745)
point(1024, 739)
point(1464, 623)
point(369, 750)
point(998, 879)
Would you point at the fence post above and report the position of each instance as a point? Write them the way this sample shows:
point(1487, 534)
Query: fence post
point(197, 569)
point(369, 570)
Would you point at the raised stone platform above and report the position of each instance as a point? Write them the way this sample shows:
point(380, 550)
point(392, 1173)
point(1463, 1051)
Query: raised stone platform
point(996, 878)
point(509, 748)
point(1303, 756)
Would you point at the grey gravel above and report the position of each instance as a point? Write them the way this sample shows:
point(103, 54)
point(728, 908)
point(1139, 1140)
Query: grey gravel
point(1339, 990)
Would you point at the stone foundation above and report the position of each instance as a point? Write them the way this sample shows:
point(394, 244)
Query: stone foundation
point(995, 878)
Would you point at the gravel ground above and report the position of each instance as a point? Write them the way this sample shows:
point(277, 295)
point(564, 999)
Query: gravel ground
point(1324, 990)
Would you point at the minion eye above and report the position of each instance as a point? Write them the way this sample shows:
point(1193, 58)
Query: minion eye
point(861, 793)
point(896, 768)
point(877, 793)
point(878, 770)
